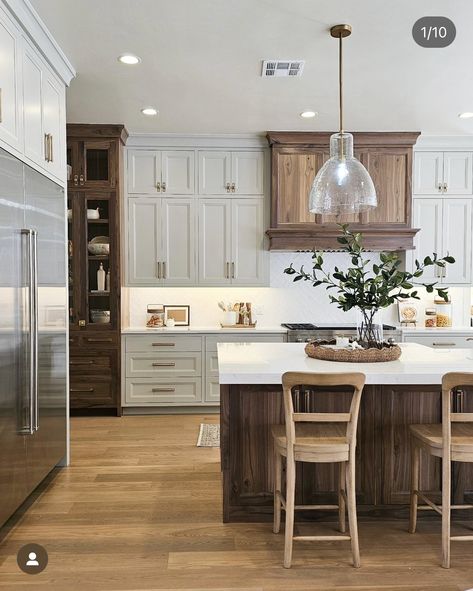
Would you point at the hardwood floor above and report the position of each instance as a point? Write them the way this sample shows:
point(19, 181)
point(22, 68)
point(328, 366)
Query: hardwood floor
point(140, 509)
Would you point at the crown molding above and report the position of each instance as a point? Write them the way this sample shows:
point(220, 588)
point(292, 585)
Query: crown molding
point(37, 32)
point(192, 141)
point(437, 143)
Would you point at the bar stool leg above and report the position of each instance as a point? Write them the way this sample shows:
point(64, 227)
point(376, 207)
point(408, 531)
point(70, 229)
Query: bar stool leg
point(277, 491)
point(290, 495)
point(446, 510)
point(352, 520)
point(415, 467)
point(341, 499)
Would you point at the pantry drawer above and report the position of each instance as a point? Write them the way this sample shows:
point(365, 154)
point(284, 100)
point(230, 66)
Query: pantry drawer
point(211, 341)
point(87, 393)
point(442, 341)
point(80, 364)
point(163, 392)
point(143, 365)
point(99, 341)
point(159, 343)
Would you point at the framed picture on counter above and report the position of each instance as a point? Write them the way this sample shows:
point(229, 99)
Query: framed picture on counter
point(180, 314)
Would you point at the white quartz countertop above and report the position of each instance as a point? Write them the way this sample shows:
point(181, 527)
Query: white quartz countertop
point(204, 329)
point(451, 330)
point(264, 363)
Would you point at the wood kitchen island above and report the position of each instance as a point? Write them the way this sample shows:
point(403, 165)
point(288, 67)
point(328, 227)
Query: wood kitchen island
point(397, 394)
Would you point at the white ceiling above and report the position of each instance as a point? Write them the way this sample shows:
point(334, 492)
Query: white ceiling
point(202, 62)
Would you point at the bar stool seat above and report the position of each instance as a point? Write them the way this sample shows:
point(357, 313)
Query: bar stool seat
point(431, 436)
point(315, 439)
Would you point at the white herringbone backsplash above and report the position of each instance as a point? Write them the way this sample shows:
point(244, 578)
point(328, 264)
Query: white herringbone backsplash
point(283, 301)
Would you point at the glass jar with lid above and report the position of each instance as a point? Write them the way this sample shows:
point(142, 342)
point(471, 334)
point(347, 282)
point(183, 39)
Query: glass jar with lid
point(430, 317)
point(155, 316)
point(444, 312)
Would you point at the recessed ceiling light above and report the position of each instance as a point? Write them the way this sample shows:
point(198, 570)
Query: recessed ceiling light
point(466, 115)
point(308, 114)
point(150, 111)
point(129, 59)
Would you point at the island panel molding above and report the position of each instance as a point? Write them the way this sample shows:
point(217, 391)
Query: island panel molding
point(295, 160)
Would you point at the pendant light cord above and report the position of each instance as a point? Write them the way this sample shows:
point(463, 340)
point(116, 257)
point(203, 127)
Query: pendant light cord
point(340, 90)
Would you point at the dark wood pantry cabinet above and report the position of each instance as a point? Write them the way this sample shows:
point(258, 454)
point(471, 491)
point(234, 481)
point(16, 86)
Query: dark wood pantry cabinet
point(94, 153)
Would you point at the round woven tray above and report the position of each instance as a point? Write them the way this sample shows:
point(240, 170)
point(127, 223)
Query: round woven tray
point(372, 355)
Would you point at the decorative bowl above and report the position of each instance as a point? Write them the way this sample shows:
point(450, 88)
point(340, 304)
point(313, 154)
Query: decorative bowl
point(99, 245)
point(93, 214)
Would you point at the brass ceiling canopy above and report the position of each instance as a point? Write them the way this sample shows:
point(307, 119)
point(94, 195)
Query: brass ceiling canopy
point(340, 31)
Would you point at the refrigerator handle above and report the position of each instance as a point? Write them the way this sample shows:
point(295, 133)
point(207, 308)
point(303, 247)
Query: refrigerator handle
point(28, 429)
point(34, 259)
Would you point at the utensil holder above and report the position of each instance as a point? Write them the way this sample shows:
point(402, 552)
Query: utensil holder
point(229, 317)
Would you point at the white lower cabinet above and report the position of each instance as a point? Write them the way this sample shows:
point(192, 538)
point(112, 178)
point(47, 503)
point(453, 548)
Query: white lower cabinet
point(442, 341)
point(445, 228)
point(175, 370)
point(161, 241)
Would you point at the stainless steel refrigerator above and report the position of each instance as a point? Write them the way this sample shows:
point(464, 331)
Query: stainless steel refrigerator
point(33, 330)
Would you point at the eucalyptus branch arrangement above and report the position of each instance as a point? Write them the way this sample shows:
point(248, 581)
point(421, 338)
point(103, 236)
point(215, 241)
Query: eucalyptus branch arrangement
point(369, 287)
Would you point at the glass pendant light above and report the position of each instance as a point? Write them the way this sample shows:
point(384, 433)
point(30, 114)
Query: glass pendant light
point(342, 185)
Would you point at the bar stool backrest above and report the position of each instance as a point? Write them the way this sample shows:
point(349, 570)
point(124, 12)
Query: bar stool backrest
point(450, 381)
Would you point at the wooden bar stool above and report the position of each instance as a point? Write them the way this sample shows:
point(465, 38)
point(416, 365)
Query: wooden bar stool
point(317, 437)
point(452, 443)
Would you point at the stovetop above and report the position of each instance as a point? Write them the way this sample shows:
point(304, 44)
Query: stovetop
point(309, 326)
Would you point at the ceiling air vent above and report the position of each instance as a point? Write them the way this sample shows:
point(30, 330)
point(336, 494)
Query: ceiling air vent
point(275, 68)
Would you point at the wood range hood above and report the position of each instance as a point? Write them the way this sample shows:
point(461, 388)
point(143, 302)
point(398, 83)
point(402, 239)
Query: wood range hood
point(295, 159)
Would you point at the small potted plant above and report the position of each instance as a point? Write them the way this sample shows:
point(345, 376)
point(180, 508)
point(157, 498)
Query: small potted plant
point(369, 287)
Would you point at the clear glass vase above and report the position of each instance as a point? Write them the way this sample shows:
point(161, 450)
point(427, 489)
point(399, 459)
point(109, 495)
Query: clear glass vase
point(369, 325)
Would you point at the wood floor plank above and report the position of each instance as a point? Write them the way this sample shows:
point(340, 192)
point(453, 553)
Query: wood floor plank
point(140, 510)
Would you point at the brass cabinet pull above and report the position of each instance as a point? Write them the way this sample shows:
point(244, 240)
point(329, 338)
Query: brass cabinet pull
point(51, 155)
point(46, 147)
point(163, 344)
point(80, 362)
point(82, 389)
point(92, 340)
point(81, 180)
point(227, 187)
point(233, 187)
point(158, 269)
point(233, 270)
point(158, 186)
point(227, 271)
point(163, 389)
point(157, 364)
point(163, 186)
point(445, 187)
point(76, 180)
point(444, 344)
point(164, 270)
point(469, 339)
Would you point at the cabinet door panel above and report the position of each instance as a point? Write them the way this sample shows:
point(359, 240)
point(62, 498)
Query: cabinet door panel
point(10, 97)
point(144, 171)
point(214, 241)
point(179, 241)
point(247, 241)
point(428, 217)
point(53, 103)
point(248, 172)
point(390, 171)
point(214, 172)
point(428, 173)
point(32, 116)
point(144, 236)
point(178, 172)
point(457, 173)
point(457, 239)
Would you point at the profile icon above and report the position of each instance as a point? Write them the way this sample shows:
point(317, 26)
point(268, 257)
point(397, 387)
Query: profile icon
point(32, 559)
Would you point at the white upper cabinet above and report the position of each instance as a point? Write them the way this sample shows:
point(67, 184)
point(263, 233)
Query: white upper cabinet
point(445, 228)
point(10, 83)
point(214, 173)
point(234, 172)
point(247, 242)
point(215, 241)
point(447, 173)
point(144, 235)
point(53, 123)
point(457, 173)
point(178, 252)
point(33, 113)
point(151, 172)
point(247, 173)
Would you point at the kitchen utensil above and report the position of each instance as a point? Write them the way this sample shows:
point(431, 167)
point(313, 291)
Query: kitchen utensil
point(99, 245)
point(93, 214)
point(221, 305)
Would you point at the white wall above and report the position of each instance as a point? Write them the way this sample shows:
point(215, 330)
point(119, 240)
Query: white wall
point(283, 301)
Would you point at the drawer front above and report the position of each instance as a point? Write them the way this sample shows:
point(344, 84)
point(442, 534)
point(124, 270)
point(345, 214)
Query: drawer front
point(98, 341)
point(163, 392)
point(80, 364)
point(212, 392)
point(159, 343)
point(87, 393)
point(212, 364)
point(143, 365)
point(211, 341)
point(442, 341)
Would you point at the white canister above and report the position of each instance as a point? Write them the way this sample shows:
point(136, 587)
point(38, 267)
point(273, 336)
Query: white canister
point(229, 318)
point(170, 322)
